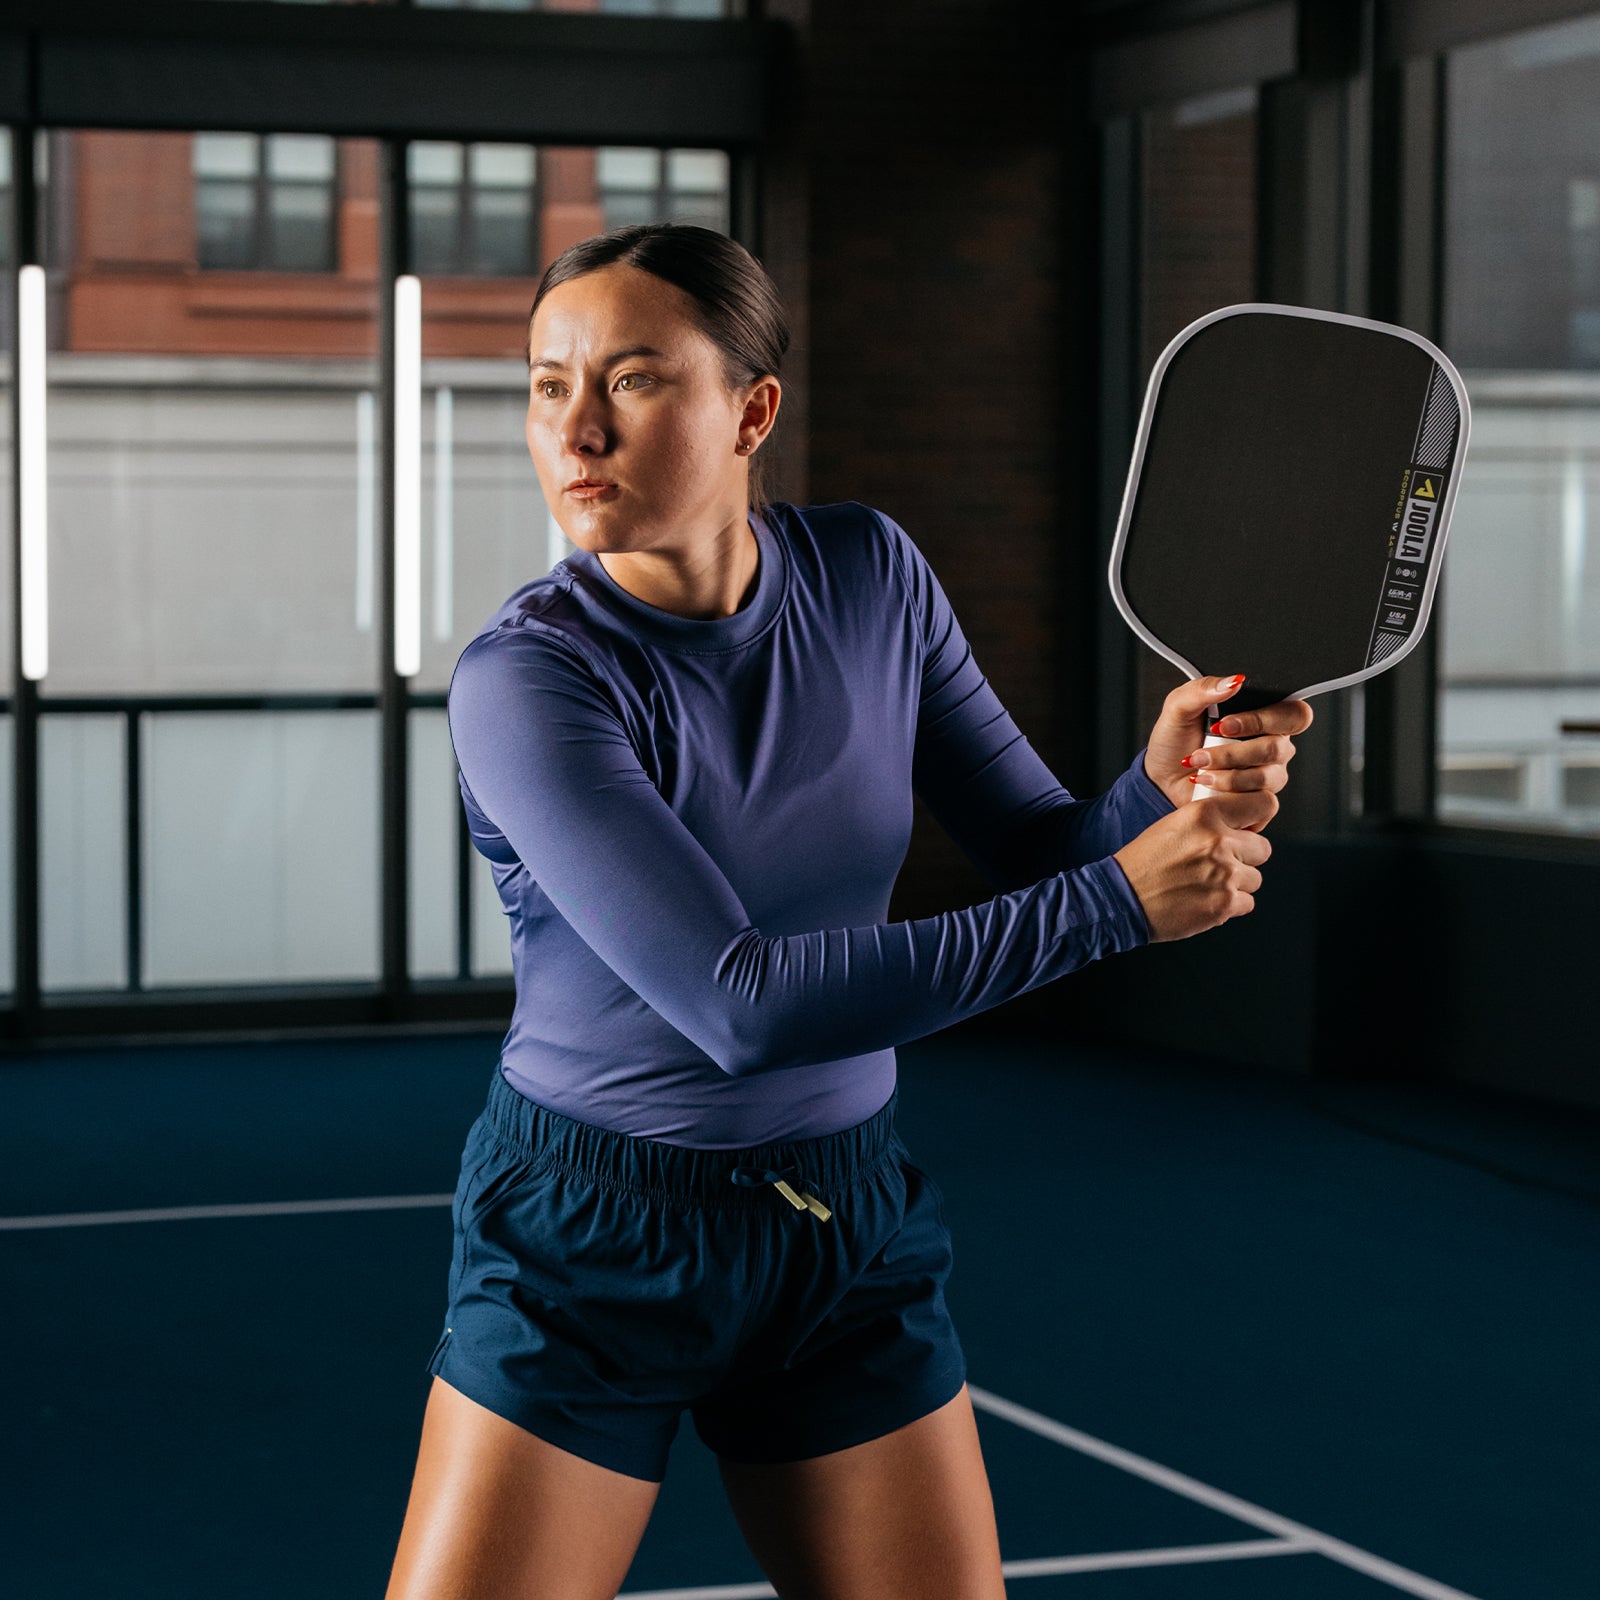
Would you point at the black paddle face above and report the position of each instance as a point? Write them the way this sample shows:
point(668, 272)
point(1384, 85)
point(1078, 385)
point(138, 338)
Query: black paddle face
point(1288, 499)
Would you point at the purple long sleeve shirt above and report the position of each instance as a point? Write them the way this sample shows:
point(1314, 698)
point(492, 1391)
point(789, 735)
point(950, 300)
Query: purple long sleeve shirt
point(695, 825)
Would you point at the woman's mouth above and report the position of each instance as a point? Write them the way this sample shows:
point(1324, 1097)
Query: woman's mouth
point(590, 489)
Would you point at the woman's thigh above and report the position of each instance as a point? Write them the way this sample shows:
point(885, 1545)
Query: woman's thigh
point(906, 1516)
point(501, 1514)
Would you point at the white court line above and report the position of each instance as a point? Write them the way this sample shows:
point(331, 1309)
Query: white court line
point(1174, 1555)
point(261, 1208)
point(1309, 1538)
point(1040, 1567)
point(723, 1591)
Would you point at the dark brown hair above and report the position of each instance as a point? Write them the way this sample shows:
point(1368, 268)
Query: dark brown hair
point(737, 304)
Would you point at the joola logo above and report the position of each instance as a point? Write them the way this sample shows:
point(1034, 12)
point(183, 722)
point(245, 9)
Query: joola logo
point(1416, 523)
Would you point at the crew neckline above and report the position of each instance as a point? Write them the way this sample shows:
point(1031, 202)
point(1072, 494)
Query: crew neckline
point(699, 633)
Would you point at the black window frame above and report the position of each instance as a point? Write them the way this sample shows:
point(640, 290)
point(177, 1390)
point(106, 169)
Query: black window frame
point(392, 74)
point(1350, 141)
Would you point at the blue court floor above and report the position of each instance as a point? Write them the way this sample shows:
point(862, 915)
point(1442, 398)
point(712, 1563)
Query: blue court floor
point(1229, 1333)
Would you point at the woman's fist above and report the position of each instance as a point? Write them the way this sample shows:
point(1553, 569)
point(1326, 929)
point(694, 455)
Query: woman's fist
point(1197, 866)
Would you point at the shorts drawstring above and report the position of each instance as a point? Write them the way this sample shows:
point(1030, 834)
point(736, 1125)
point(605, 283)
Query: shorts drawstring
point(752, 1177)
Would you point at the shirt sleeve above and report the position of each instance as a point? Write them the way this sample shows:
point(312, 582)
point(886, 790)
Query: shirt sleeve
point(547, 761)
point(977, 773)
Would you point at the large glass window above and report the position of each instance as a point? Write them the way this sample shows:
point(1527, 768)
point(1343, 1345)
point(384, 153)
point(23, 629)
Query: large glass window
point(214, 525)
point(212, 500)
point(1519, 676)
point(486, 529)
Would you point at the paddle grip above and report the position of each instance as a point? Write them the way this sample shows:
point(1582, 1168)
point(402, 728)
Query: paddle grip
point(1203, 790)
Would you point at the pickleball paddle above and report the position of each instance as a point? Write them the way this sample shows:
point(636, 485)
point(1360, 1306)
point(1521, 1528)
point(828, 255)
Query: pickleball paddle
point(1288, 500)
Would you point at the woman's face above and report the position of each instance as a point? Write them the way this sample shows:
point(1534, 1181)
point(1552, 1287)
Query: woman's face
point(625, 388)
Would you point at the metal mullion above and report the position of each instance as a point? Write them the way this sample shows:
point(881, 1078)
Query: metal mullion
point(1357, 195)
point(394, 258)
point(746, 201)
point(133, 807)
point(26, 232)
point(1399, 779)
point(536, 208)
point(335, 192)
point(1355, 298)
point(261, 244)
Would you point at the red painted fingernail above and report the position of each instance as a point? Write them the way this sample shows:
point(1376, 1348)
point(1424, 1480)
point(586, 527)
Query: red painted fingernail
point(1194, 777)
point(1184, 762)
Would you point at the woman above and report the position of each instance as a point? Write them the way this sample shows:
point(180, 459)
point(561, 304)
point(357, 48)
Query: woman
point(689, 754)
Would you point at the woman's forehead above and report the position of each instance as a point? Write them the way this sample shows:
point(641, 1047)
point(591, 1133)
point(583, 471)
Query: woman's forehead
point(613, 307)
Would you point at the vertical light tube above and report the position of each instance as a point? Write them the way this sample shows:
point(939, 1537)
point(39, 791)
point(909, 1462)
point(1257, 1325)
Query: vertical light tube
point(1574, 540)
point(366, 505)
point(407, 475)
point(31, 466)
point(444, 494)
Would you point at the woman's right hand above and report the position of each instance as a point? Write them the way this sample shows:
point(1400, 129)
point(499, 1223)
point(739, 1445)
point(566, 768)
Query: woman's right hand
point(1197, 867)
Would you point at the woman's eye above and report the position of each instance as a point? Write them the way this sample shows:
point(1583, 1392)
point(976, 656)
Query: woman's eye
point(544, 387)
point(627, 375)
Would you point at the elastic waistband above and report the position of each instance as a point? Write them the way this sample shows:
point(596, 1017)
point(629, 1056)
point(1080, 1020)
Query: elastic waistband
point(823, 1167)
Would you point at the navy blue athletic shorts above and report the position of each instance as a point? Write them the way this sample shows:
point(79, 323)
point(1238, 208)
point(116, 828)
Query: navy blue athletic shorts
point(601, 1282)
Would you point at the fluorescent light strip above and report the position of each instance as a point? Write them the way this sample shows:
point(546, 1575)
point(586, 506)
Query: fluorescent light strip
point(444, 490)
point(407, 475)
point(366, 504)
point(35, 613)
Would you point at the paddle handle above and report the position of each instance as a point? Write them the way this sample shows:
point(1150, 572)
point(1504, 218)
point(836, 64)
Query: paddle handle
point(1203, 790)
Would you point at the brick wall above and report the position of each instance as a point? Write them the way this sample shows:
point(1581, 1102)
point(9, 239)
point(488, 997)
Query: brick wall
point(935, 166)
point(1199, 254)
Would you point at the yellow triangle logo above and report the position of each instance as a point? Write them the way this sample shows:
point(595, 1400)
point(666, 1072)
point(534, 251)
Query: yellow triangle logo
point(1426, 491)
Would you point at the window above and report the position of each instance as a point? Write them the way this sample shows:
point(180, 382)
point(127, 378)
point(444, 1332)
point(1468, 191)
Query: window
point(642, 185)
point(265, 202)
point(474, 208)
point(1519, 653)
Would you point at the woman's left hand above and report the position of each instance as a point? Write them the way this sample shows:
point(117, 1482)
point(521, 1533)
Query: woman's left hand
point(1259, 761)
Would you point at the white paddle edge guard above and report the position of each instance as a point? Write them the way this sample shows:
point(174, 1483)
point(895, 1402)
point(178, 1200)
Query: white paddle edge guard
point(1125, 516)
point(1204, 791)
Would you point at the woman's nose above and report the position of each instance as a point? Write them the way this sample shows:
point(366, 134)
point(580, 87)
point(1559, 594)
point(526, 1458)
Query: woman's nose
point(583, 426)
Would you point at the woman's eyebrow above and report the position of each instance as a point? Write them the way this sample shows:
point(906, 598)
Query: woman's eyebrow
point(610, 361)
